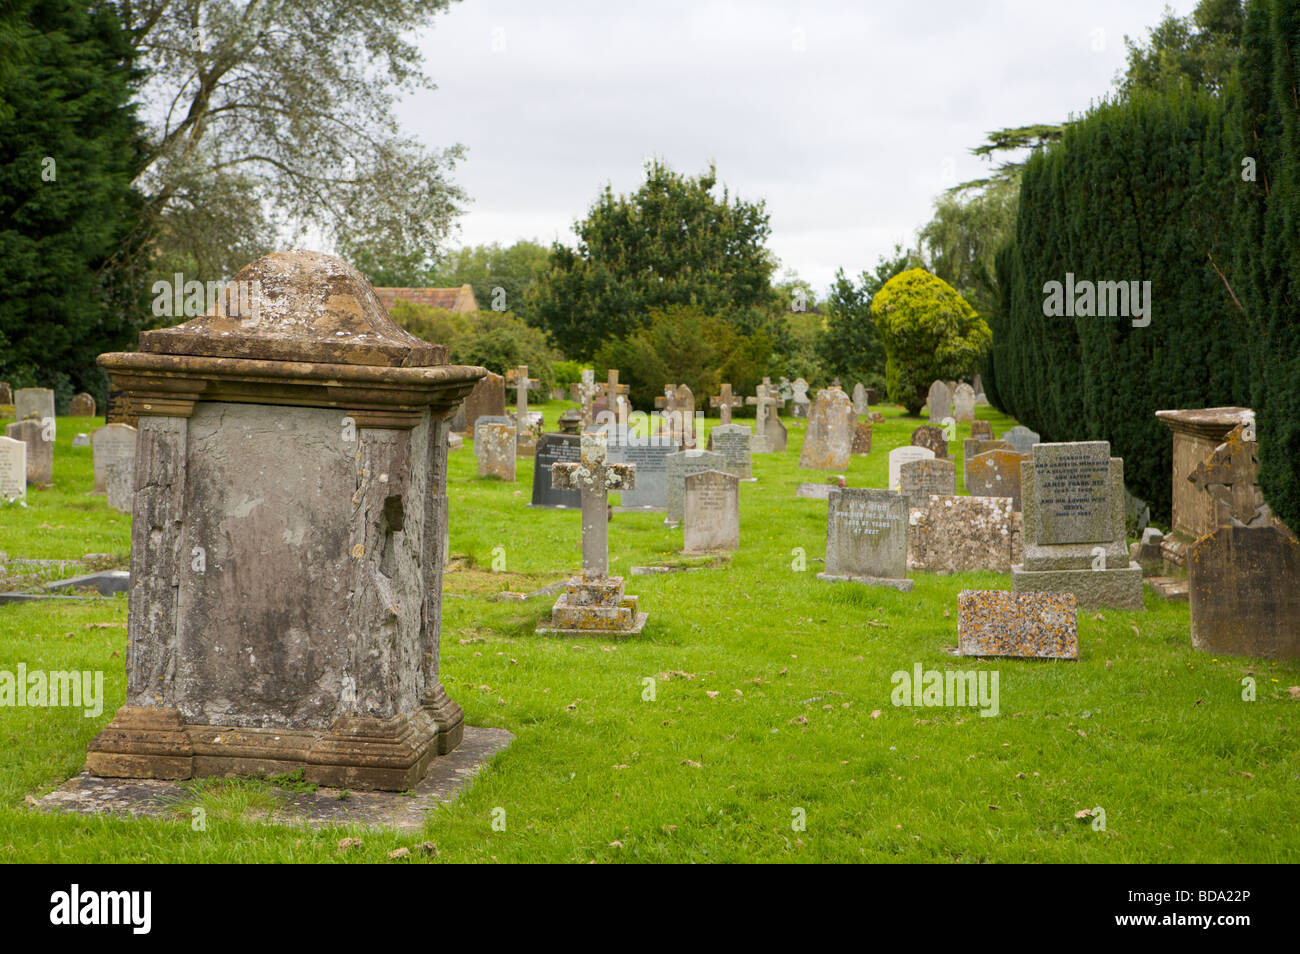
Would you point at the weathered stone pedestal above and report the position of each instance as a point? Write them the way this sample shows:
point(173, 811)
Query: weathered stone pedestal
point(596, 607)
point(286, 560)
point(1073, 499)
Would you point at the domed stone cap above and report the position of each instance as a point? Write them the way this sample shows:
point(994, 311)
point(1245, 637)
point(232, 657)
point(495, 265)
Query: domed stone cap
point(298, 306)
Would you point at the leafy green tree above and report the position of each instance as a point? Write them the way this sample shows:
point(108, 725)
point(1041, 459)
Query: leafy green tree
point(1195, 52)
point(929, 332)
point(285, 107)
point(850, 347)
point(69, 148)
point(683, 344)
point(672, 242)
point(502, 277)
point(959, 243)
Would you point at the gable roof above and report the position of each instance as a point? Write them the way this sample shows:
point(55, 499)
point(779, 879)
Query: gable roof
point(449, 299)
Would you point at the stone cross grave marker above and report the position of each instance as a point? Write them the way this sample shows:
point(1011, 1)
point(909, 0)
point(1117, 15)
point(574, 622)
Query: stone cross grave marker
point(494, 447)
point(799, 400)
point(765, 402)
point(584, 392)
point(13, 468)
point(111, 442)
point(725, 401)
point(554, 449)
point(522, 384)
point(711, 518)
point(40, 448)
point(828, 442)
point(732, 442)
point(679, 465)
point(866, 538)
point(899, 456)
point(613, 395)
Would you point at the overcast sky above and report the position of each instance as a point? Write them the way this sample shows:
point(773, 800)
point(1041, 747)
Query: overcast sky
point(847, 118)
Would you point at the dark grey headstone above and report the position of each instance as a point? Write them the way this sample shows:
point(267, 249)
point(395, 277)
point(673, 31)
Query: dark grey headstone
point(555, 449)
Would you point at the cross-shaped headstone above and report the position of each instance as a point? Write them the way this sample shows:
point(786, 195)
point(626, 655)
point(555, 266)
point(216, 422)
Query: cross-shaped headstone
point(594, 477)
point(1231, 476)
point(613, 393)
point(584, 393)
point(762, 402)
point(523, 384)
point(725, 402)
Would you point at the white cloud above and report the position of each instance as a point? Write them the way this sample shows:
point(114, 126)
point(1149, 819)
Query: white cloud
point(841, 115)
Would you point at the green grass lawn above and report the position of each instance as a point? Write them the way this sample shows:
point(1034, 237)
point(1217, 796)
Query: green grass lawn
point(771, 702)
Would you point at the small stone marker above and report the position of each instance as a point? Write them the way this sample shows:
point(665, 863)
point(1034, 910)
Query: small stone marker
point(928, 435)
point(83, 405)
point(732, 442)
point(1074, 536)
point(1021, 438)
point(650, 456)
point(963, 403)
point(13, 468)
point(860, 403)
point(862, 437)
point(6, 393)
point(995, 473)
point(34, 404)
point(866, 538)
point(949, 534)
point(40, 450)
point(725, 401)
point(711, 518)
point(111, 442)
point(799, 400)
point(1035, 625)
point(939, 402)
point(918, 479)
point(828, 442)
point(494, 447)
point(594, 604)
point(981, 430)
point(555, 449)
point(974, 446)
point(679, 466)
point(81, 440)
point(814, 491)
point(901, 455)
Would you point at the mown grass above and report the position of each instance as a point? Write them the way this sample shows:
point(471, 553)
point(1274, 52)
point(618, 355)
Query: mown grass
point(771, 699)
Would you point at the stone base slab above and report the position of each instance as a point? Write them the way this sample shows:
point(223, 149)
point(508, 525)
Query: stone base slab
point(1094, 589)
point(548, 627)
point(87, 794)
point(1169, 589)
point(357, 752)
point(903, 586)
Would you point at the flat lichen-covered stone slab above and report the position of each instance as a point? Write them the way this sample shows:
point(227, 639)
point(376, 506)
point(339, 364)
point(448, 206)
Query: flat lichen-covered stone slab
point(1036, 625)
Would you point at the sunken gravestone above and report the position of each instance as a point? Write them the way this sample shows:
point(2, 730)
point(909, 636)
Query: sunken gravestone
point(995, 473)
point(711, 516)
point(110, 443)
point(679, 466)
point(1073, 500)
point(949, 534)
point(927, 435)
point(1033, 625)
point(13, 469)
point(732, 442)
point(649, 454)
point(494, 447)
point(554, 449)
point(594, 604)
point(828, 442)
point(1244, 575)
point(900, 456)
point(866, 538)
point(289, 624)
point(918, 479)
point(40, 448)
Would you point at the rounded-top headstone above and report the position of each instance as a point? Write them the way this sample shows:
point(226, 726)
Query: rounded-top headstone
point(298, 306)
